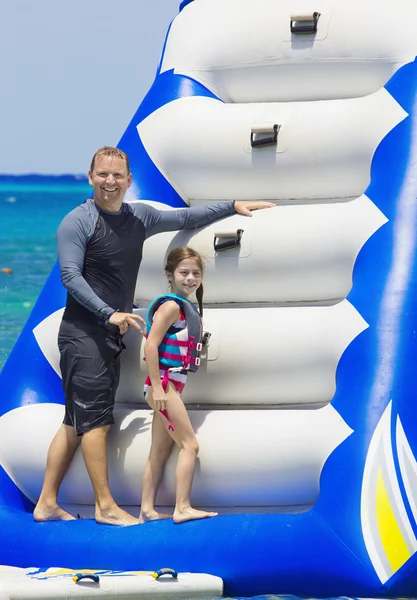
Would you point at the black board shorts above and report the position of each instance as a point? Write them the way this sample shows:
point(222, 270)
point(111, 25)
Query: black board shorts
point(90, 368)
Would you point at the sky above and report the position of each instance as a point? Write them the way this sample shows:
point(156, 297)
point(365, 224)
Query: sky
point(72, 75)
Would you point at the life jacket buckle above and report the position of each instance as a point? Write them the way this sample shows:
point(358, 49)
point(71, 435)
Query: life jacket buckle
point(199, 347)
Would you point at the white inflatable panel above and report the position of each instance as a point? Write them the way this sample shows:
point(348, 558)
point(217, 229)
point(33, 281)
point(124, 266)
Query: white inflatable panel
point(287, 254)
point(259, 356)
point(274, 457)
point(294, 351)
point(324, 149)
point(357, 48)
point(46, 334)
point(56, 583)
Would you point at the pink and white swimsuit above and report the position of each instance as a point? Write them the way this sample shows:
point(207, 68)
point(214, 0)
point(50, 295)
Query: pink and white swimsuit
point(177, 376)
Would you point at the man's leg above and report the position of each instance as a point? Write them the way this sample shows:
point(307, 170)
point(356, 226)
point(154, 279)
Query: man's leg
point(60, 454)
point(93, 356)
point(94, 449)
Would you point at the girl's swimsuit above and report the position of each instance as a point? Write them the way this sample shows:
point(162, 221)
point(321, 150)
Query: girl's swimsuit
point(177, 376)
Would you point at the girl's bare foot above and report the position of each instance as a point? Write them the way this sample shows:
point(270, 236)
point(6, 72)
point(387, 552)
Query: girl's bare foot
point(191, 514)
point(115, 516)
point(152, 515)
point(43, 512)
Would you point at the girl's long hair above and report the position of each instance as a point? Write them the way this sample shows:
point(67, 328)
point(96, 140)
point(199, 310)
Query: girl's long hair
point(175, 257)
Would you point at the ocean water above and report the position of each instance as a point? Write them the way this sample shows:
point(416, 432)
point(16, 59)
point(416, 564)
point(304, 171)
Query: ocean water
point(31, 209)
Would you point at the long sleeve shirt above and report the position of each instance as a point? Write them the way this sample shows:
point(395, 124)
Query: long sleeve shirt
point(99, 252)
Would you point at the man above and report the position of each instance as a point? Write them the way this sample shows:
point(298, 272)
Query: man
point(99, 252)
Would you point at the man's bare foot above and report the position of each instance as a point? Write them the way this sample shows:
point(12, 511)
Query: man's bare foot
point(43, 513)
point(152, 515)
point(191, 514)
point(115, 516)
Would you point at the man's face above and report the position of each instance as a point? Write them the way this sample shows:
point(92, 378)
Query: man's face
point(110, 181)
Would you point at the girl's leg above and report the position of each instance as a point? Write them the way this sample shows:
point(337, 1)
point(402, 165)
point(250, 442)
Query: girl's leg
point(158, 455)
point(186, 440)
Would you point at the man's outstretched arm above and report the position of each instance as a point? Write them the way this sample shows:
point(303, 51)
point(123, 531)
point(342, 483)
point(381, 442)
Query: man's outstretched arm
point(157, 221)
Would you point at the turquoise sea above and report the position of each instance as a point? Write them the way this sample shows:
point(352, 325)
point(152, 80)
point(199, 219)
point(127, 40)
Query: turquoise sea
point(31, 208)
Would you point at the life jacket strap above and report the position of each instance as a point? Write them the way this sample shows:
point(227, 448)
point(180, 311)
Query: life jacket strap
point(186, 360)
point(190, 344)
point(172, 342)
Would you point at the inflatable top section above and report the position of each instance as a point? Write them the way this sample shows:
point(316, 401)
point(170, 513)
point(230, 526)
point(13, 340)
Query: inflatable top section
point(321, 50)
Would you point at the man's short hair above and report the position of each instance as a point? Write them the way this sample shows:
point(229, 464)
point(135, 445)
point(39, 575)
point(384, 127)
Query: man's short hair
point(113, 153)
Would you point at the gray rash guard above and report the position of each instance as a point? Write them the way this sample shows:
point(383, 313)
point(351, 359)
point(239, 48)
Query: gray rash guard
point(99, 252)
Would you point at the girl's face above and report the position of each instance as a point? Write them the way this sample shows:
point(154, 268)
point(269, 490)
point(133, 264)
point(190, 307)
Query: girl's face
point(186, 278)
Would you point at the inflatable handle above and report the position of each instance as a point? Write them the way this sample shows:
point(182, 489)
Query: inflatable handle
point(160, 572)
point(304, 23)
point(272, 130)
point(91, 576)
point(233, 240)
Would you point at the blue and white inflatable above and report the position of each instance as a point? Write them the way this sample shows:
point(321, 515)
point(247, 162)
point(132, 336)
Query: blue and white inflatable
point(304, 405)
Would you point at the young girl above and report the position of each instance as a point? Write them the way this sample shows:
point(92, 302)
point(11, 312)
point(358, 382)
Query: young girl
point(171, 350)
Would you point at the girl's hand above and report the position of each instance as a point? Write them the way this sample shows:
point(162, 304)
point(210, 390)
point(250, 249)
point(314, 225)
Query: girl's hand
point(160, 400)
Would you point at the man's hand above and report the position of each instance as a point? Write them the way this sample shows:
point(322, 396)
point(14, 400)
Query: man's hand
point(123, 320)
point(244, 207)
